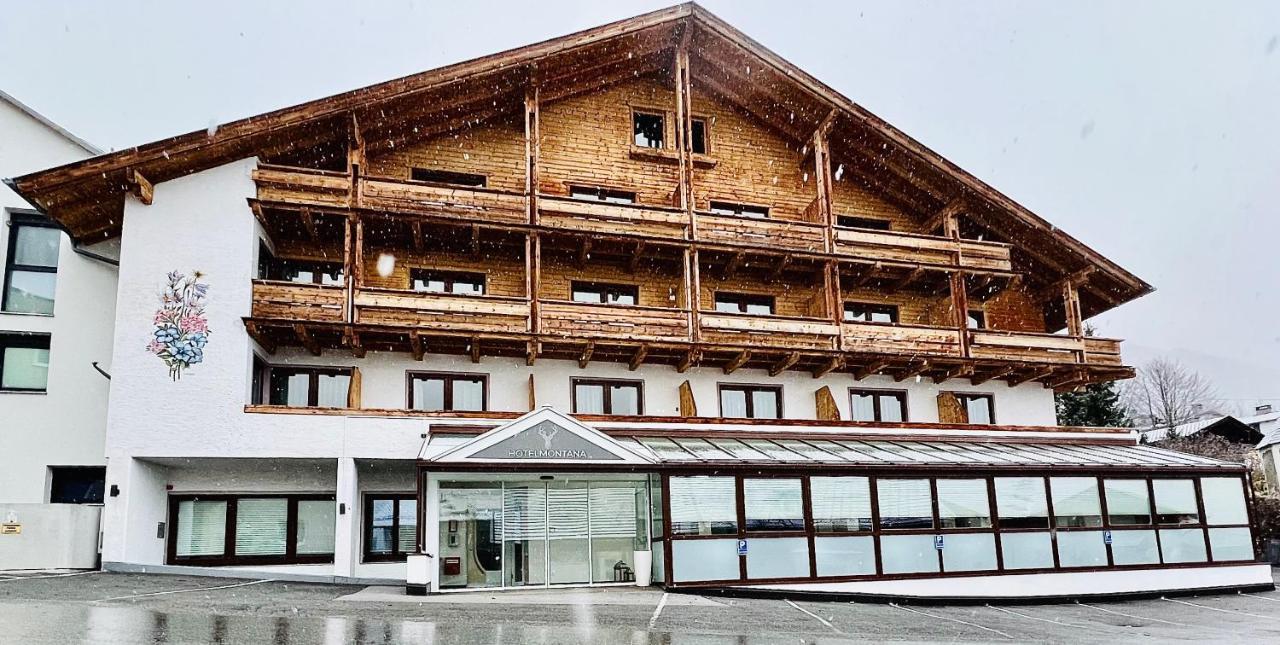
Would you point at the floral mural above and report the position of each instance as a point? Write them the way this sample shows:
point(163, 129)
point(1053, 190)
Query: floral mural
point(181, 328)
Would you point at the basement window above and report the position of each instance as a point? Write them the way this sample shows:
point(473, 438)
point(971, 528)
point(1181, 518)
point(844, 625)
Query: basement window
point(739, 210)
point(868, 312)
point(851, 221)
point(698, 136)
point(598, 194)
point(449, 177)
point(456, 282)
point(605, 294)
point(744, 303)
point(649, 129)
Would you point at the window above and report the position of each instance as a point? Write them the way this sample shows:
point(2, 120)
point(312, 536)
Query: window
point(963, 503)
point(607, 195)
point(602, 396)
point(24, 362)
point(324, 387)
point(851, 221)
point(609, 294)
point(976, 319)
point(31, 265)
point(869, 312)
point(751, 401)
point(703, 505)
point(300, 271)
point(744, 303)
point(739, 210)
point(76, 484)
point(1075, 502)
point(458, 282)
point(773, 504)
point(448, 177)
point(698, 136)
point(454, 392)
point(1127, 501)
point(840, 504)
point(904, 503)
point(1021, 503)
point(878, 405)
point(1175, 501)
point(977, 408)
point(649, 129)
point(390, 526)
point(251, 529)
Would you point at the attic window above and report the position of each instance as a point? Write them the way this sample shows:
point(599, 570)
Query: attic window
point(698, 136)
point(448, 177)
point(649, 129)
point(740, 210)
point(596, 193)
point(850, 221)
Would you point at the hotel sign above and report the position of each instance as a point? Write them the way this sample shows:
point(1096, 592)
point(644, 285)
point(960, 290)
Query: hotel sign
point(546, 441)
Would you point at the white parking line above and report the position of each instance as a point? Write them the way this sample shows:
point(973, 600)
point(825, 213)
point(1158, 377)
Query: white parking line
point(173, 591)
point(657, 611)
point(1043, 620)
point(820, 619)
point(56, 575)
point(1120, 613)
point(1249, 595)
point(1225, 611)
point(954, 620)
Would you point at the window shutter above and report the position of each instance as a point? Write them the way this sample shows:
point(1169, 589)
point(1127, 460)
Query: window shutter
point(826, 404)
point(688, 407)
point(950, 410)
point(353, 390)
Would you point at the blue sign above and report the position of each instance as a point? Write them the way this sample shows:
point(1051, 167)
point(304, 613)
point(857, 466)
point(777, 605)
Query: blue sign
point(1106, 537)
point(937, 542)
point(742, 547)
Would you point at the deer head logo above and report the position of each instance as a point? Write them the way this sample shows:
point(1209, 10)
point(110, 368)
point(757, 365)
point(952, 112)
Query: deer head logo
point(547, 436)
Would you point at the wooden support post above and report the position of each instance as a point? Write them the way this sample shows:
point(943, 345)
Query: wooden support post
point(784, 364)
point(1071, 307)
point(348, 269)
point(634, 262)
point(835, 363)
point(732, 265)
point(532, 350)
point(308, 224)
point(304, 337)
point(831, 293)
point(781, 266)
point(737, 361)
point(584, 359)
point(353, 341)
point(355, 159)
point(947, 219)
point(416, 346)
point(684, 125)
point(140, 187)
point(960, 302)
point(532, 149)
point(637, 358)
point(534, 270)
point(693, 291)
point(584, 252)
point(475, 349)
point(822, 172)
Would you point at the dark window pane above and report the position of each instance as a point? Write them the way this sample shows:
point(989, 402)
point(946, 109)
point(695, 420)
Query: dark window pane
point(649, 129)
point(448, 177)
point(382, 537)
point(976, 320)
point(698, 137)
point(76, 485)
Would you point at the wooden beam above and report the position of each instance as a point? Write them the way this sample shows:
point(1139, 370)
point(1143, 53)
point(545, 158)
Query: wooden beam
point(584, 359)
point(835, 363)
point(309, 224)
point(637, 359)
point(635, 257)
point(737, 361)
point(416, 346)
point(418, 241)
point(140, 187)
point(1000, 372)
point(870, 369)
point(304, 337)
point(781, 266)
point(261, 337)
point(948, 212)
point(913, 371)
point(784, 364)
point(584, 252)
point(732, 267)
point(475, 240)
point(955, 372)
point(357, 348)
point(901, 283)
point(1015, 381)
point(690, 359)
point(475, 349)
point(865, 276)
point(531, 352)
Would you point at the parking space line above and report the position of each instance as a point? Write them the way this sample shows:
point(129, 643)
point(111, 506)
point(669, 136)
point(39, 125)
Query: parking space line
point(820, 619)
point(1261, 597)
point(57, 575)
point(657, 611)
point(173, 591)
point(1043, 620)
point(954, 620)
point(1225, 611)
point(1121, 613)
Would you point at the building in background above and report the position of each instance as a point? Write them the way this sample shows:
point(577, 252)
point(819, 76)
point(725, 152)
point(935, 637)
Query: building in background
point(57, 310)
point(645, 301)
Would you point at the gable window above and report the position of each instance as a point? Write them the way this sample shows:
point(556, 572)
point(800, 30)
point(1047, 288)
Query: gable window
point(698, 136)
point(300, 271)
point(966, 407)
point(305, 387)
point(750, 401)
point(24, 362)
point(448, 177)
point(442, 391)
point(739, 210)
point(607, 396)
point(744, 303)
point(607, 195)
point(976, 319)
point(852, 221)
point(878, 405)
point(457, 282)
point(390, 526)
point(608, 294)
point(649, 129)
point(31, 265)
point(870, 312)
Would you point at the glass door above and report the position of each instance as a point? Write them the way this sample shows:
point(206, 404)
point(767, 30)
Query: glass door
point(470, 534)
point(568, 533)
point(524, 537)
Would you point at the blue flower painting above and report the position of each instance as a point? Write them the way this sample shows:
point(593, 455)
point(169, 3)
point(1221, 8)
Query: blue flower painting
point(181, 328)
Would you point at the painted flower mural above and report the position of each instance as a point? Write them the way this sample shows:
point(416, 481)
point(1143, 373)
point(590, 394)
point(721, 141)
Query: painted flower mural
point(181, 329)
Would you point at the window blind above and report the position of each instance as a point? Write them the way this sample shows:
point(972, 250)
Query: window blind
point(202, 528)
point(703, 499)
point(261, 526)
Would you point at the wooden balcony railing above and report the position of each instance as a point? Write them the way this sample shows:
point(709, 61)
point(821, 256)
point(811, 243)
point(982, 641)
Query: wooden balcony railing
point(626, 323)
point(901, 339)
point(1102, 351)
point(487, 204)
point(1025, 346)
point(303, 186)
point(301, 302)
point(442, 312)
point(769, 332)
point(763, 233)
point(923, 249)
point(604, 218)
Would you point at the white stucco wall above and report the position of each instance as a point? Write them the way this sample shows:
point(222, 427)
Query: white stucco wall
point(64, 426)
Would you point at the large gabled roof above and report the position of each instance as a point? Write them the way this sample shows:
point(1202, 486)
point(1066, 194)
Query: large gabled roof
point(87, 196)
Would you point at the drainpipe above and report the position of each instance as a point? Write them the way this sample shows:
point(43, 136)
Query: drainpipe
point(75, 245)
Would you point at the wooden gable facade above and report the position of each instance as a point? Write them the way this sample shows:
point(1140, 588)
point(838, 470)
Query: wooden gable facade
point(475, 209)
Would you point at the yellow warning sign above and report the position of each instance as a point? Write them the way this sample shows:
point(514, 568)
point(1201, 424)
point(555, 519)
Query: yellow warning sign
point(10, 529)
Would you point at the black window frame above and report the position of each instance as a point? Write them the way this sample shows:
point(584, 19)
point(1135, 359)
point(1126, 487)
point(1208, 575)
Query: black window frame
point(736, 209)
point(700, 139)
point(450, 278)
point(602, 194)
point(94, 493)
point(24, 340)
point(742, 300)
point(274, 268)
point(449, 378)
point(964, 397)
point(636, 114)
point(366, 526)
point(749, 389)
point(19, 219)
point(975, 319)
point(875, 394)
point(228, 556)
point(858, 221)
point(606, 384)
point(605, 290)
point(449, 177)
point(871, 309)
point(263, 393)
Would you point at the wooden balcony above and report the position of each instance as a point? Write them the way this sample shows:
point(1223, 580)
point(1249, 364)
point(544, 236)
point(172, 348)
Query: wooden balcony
point(769, 332)
point(883, 338)
point(613, 322)
point(299, 302)
point(303, 186)
point(475, 204)
point(442, 312)
point(611, 219)
point(765, 234)
point(931, 250)
point(1028, 346)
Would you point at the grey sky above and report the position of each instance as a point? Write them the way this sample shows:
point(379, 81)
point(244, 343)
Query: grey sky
point(1149, 130)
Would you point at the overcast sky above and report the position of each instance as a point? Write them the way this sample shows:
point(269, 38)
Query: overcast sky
point(1149, 130)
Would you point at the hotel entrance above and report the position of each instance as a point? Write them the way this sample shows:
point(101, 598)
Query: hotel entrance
point(552, 530)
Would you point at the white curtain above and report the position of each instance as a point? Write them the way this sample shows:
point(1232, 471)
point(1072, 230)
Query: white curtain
point(468, 395)
point(333, 391)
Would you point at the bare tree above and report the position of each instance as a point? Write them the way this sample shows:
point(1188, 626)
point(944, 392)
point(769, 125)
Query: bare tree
point(1167, 393)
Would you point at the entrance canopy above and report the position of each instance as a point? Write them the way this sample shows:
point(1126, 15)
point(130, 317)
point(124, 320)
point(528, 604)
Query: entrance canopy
point(543, 436)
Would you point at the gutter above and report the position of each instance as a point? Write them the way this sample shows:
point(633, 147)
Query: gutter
point(75, 244)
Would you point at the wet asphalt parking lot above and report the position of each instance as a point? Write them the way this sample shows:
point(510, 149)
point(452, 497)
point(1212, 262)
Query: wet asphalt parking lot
point(140, 608)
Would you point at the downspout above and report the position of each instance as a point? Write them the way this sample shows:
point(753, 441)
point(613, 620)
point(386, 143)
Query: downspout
point(75, 244)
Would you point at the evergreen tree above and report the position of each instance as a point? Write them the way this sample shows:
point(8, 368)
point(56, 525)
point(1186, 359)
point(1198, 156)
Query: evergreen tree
point(1098, 404)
